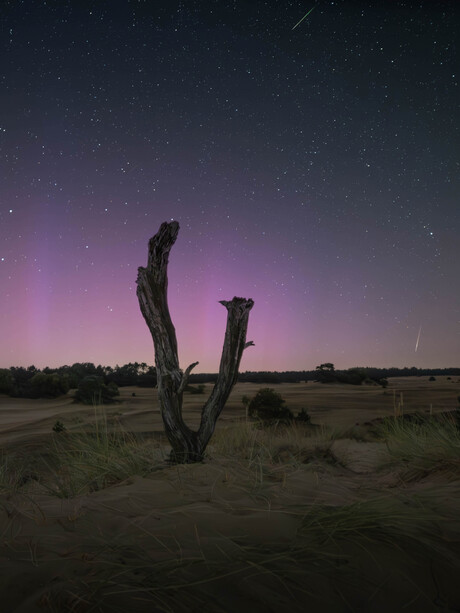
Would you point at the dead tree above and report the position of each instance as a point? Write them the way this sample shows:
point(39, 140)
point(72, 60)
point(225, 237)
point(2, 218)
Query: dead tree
point(152, 283)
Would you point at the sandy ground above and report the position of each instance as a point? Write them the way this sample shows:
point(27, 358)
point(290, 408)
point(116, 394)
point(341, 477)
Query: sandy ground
point(224, 533)
point(23, 419)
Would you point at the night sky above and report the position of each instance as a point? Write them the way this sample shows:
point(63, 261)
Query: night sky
point(312, 167)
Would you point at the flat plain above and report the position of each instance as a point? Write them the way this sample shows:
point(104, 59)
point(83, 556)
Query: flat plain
point(350, 513)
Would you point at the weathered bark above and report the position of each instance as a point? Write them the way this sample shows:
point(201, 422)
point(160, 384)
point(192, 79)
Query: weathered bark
point(152, 283)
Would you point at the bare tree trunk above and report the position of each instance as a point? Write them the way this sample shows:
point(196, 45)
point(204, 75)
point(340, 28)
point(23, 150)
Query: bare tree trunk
point(152, 284)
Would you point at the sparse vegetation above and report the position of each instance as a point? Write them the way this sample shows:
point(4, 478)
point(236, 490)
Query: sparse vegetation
point(59, 426)
point(92, 390)
point(423, 445)
point(103, 455)
point(246, 441)
point(280, 512)
point(303, 416)
point(268, 405)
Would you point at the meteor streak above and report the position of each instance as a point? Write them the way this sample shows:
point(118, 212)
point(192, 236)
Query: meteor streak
point(306, 15)
point(418, 338)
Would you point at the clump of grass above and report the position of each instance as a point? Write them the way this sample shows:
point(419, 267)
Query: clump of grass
point(292, 442)
point(423, 446)
point(241, 438)
point(14, 473)
point(411, 524)
point(59, 427)
point(97, 459)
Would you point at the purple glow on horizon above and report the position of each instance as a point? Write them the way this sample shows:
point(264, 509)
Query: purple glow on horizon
point(310, 170)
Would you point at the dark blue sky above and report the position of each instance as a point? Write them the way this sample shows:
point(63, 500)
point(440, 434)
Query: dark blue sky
point(315, 170)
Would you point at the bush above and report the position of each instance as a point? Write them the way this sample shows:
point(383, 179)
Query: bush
point(268, 405)
point(432, 379)
point(92, 390)
point(42, 385)
point(59, 427)
point(303, 416)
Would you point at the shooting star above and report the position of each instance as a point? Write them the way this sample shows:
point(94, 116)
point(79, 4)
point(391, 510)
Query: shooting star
point(418, 338)
point(306, 15)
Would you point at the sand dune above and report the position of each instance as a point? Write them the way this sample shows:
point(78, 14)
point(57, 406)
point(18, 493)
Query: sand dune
point(298, 522)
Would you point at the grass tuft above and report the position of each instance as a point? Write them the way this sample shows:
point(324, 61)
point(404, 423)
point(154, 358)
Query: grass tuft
point(423, 446)
point(91, 461)
point(293, 443)
point(14, 473)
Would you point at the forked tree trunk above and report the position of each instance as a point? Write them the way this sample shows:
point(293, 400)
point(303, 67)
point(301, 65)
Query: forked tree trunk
point(152, 283)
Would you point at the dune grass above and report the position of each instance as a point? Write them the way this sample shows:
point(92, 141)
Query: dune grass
point(250, 441)
point(90, 461)
point(418, 448)
point(105, 454)
point(14, 472)
point(408, 523)
point(336, 551)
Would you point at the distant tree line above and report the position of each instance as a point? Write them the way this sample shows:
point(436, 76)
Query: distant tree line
point(355, 375)
point(32, 382)
point(326, 373)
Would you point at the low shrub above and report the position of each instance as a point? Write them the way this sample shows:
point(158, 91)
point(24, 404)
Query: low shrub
point(303, 416)
point(268, 405)
point(92, 390)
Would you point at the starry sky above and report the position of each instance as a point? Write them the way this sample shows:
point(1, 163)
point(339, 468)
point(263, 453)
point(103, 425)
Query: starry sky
point(312, 166)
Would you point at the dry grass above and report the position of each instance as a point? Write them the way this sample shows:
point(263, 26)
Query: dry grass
point(251, 444)
point(86, 462)
point(147, 544)
point(417, 450)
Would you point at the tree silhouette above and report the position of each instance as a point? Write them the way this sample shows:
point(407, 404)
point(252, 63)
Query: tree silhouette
point(325, 373)
point(152, 283)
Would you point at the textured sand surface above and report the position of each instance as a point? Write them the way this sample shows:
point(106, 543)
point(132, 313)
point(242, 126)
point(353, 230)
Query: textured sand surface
point(227, 529)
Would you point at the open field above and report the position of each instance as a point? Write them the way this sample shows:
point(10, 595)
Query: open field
point(355, 514)
point(333, 405)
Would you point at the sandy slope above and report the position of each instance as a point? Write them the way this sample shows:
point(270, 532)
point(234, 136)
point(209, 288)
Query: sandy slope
point(240, 523)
